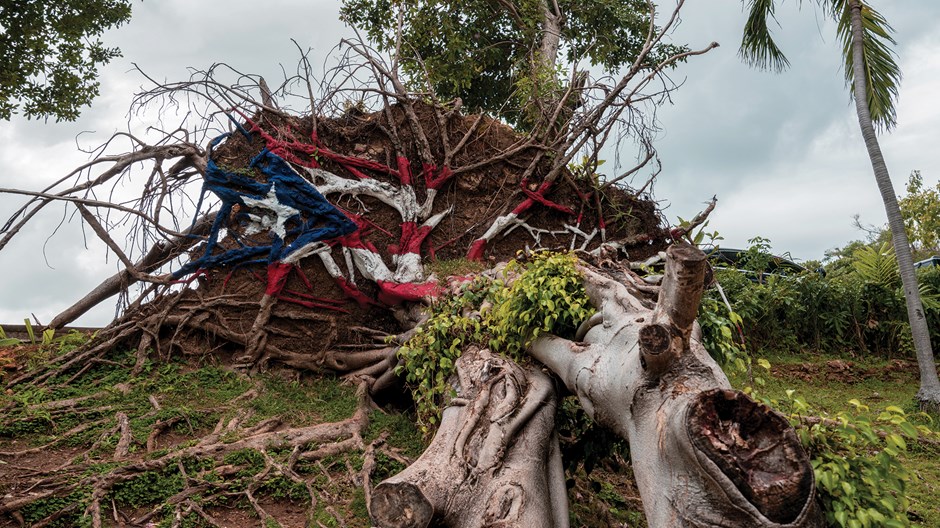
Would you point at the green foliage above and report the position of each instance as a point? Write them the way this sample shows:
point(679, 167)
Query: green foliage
point(39, 510)
point(8, 341)
point(920, 208)
point(50, 53)
point(547, 296)
point(877, 265)
point(882, 71)
point(861, 481)
point(719, 327)
point(757, 257)
point(883, 74)
point(484, 52)
point(699, 237)
point(428, 357)
point(151, 487)
point(856, 308)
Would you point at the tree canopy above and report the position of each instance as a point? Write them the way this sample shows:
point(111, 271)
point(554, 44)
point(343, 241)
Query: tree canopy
point(921, 211)
point(50, 53)
point(487, 52)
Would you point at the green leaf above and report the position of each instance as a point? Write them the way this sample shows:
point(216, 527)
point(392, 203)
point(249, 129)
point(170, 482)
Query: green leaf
point(909, 429)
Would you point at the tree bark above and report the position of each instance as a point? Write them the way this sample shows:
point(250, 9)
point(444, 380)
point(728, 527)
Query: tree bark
point(494, 461)
point(703, 454)
point(929, 393)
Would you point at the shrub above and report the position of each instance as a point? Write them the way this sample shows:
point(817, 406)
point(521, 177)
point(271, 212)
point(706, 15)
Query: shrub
point(547, 296)
point(861, 309)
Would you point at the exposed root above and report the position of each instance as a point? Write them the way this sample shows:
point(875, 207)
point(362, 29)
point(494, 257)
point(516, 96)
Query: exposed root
point(305, 444)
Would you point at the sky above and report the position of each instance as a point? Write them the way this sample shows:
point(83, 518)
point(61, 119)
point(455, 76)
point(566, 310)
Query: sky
point(782, 152)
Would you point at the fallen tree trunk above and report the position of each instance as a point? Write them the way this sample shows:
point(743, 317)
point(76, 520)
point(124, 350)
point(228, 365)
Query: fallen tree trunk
point(494, 461)
point(703, 454)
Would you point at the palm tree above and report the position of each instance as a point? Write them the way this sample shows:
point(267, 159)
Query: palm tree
point(873, 75)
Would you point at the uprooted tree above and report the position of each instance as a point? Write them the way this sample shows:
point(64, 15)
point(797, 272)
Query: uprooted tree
point(307, 249)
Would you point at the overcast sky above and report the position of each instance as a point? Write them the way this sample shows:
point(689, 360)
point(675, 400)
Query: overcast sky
point(782, 152)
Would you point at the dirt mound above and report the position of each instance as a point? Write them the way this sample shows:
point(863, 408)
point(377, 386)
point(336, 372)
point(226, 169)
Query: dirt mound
point(849, 372)
point(415, 186)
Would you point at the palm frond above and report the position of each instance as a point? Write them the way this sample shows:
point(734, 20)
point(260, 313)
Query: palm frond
point(877, 265)
point(757, 44)
point(882, 72)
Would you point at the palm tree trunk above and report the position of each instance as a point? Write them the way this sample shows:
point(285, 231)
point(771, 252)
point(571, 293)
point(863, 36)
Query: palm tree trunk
point(929, 393)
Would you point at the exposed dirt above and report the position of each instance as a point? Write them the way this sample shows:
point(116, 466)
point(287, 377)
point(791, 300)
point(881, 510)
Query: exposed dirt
point(313, 325)
point(843, 371)
point(484, 187)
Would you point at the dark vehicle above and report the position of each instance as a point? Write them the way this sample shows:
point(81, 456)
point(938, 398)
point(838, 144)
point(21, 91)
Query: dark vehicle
point(926, 263)
point(725, 258)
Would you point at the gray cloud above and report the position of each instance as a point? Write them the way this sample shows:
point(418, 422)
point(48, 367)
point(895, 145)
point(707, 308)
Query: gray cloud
point(781, 151)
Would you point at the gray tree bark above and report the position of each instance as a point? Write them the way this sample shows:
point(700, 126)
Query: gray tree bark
point(703, 454)
point(929, 393)
point(494, 461)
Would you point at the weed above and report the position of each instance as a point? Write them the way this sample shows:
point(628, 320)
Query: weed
point(402, 432)
point(151, 487)
point(326, 399)
point(40, 509)
point(455, 267)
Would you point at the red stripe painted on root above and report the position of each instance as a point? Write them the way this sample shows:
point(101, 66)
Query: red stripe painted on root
point(326, 304)
point(477, 249)
point(354, 241)
point(393, 293)
point(288, 150)
point(201, 272)
point(277, 277)
point(353, 292)
point(539, 196)
point(404, 170)
point(411, 239)
point(436, 181)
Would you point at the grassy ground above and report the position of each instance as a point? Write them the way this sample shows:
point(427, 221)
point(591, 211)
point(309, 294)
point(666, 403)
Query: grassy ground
point(828, 384)
point(138, 433)
point(107, 420)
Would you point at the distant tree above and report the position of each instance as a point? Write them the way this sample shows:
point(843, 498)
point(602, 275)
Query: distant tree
point(502, 56)
point(920, 208)
point(50, 53)
point(873, 75)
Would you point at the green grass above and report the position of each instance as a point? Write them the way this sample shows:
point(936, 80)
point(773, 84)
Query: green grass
point(443, 268)
point(878, 384)
point(305, 401)
point(195, 397)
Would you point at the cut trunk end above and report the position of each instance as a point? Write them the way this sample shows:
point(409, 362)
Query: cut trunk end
point(400, 505)
point(757, 451)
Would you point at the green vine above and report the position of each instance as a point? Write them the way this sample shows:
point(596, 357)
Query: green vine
point(547, 295)
point(860, 478)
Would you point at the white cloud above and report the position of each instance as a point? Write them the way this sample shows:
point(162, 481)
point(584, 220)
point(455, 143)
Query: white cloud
point(781, 151)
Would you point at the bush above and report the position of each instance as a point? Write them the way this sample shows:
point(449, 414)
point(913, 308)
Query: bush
point(547, 296)
point(861, 309)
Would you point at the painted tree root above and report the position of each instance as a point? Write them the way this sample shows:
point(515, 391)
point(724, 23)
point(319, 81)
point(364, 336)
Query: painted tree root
point(494, 461)
point(703, 454)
